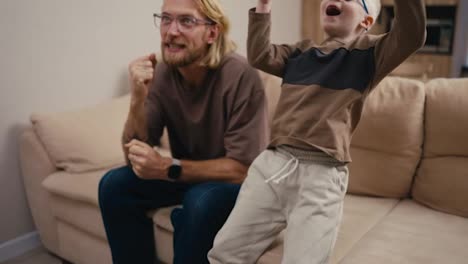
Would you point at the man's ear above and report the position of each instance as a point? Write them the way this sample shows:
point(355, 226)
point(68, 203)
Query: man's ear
point(367, 22)
point(213, 33)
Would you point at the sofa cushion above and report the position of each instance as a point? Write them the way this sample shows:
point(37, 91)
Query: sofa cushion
point(272, 91)
point(415, 234)
point(75, 201)
point(442, 179)
point(86, 139)
point(387, 144)
point(81, 187)
point(360, 215)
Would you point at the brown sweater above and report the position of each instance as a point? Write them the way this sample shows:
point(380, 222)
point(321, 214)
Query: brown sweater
point(324, 86)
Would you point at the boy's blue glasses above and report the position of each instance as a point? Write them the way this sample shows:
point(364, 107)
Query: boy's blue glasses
point(365, 6)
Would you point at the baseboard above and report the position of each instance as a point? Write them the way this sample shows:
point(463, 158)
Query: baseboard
point(19, 246)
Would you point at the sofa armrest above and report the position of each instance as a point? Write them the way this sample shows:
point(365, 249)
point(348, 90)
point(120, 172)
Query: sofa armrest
point(36, 166)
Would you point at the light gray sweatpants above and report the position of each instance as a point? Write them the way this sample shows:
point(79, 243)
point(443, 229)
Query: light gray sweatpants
point(291, 188)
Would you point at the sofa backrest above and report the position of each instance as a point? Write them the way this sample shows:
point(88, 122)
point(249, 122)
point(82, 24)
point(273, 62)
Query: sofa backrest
point(442, 178)
point(387, 143)
point(272, 86)
point(84, 139)
point(89, 139)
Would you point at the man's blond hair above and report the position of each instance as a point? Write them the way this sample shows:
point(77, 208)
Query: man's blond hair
point(223, 44)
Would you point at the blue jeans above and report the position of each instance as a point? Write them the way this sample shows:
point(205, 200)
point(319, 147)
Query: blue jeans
point(124, 200)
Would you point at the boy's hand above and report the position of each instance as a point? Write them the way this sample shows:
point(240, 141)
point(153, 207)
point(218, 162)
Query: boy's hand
point(263, 6)
point(141, 73)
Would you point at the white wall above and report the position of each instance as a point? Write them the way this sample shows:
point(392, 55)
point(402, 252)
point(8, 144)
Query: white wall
point(62, 54)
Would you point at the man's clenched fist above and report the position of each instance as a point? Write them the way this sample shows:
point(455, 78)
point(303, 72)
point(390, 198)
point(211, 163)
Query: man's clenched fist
point(146, 162)
point(141, 73)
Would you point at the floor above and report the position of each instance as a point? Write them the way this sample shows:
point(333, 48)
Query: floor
point(35, 256)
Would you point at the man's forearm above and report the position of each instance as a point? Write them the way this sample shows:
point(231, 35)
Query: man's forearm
point(136, 126)
point(224, 169)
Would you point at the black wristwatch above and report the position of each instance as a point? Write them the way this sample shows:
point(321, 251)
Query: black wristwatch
point(175, 170)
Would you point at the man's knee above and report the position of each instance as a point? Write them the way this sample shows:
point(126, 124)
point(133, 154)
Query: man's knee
point(203, 200)
point(114, 183)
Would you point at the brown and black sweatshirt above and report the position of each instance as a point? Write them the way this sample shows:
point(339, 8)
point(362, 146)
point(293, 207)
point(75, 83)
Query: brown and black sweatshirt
point(324, 86)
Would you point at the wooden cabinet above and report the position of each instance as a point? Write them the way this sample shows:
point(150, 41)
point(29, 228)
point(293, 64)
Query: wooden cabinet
point(434, 65)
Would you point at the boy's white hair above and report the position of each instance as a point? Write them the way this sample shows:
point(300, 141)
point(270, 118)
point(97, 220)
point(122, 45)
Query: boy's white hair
point(374, 7)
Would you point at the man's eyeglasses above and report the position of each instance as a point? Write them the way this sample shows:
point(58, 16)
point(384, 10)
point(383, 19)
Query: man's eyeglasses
point(365, 6)
point(184, 23)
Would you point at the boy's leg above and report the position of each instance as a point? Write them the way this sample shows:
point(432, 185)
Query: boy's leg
point(124, 200)
point(316, 215)
point(256, 219)
point(206, 207)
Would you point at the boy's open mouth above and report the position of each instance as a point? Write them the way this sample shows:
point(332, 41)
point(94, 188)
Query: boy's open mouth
point(333, 10)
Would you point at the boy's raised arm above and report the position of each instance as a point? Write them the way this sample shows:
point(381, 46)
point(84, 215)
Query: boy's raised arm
point(407, 35)
point(260, 52)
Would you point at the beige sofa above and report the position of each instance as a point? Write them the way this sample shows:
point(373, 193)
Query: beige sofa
point(407, 200)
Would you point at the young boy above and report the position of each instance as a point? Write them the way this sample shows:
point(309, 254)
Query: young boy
point(301, 180)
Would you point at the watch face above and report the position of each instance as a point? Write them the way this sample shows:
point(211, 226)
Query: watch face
point(174, 172)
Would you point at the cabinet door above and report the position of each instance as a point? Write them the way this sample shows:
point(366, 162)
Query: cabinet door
point(438, 66)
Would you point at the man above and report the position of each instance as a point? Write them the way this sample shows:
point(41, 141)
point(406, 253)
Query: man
point(214, 108)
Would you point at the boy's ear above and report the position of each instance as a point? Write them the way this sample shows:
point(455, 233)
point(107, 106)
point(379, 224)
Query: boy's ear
point(367, 22)
point(213, 33)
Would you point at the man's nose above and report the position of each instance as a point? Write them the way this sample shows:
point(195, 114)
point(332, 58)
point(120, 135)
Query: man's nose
point(173, 28)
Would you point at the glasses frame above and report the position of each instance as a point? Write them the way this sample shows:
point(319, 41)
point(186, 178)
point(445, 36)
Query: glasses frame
point(197, 21)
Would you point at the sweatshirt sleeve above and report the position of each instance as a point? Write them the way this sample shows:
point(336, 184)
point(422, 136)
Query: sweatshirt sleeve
point(261, 53)
point(407, 35)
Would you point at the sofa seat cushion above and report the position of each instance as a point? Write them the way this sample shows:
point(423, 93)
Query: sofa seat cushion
point(75, 200)
point(413, 233)
point(442, 179)
point(390, 136)
point(360, 215)
point(81, 187)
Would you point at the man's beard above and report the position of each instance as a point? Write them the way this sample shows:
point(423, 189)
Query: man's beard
point(177, 60)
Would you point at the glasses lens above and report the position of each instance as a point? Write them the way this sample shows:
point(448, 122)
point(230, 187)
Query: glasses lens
point(156, 20)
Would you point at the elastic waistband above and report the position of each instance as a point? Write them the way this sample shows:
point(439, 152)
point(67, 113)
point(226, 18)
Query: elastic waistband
point(309, 155)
